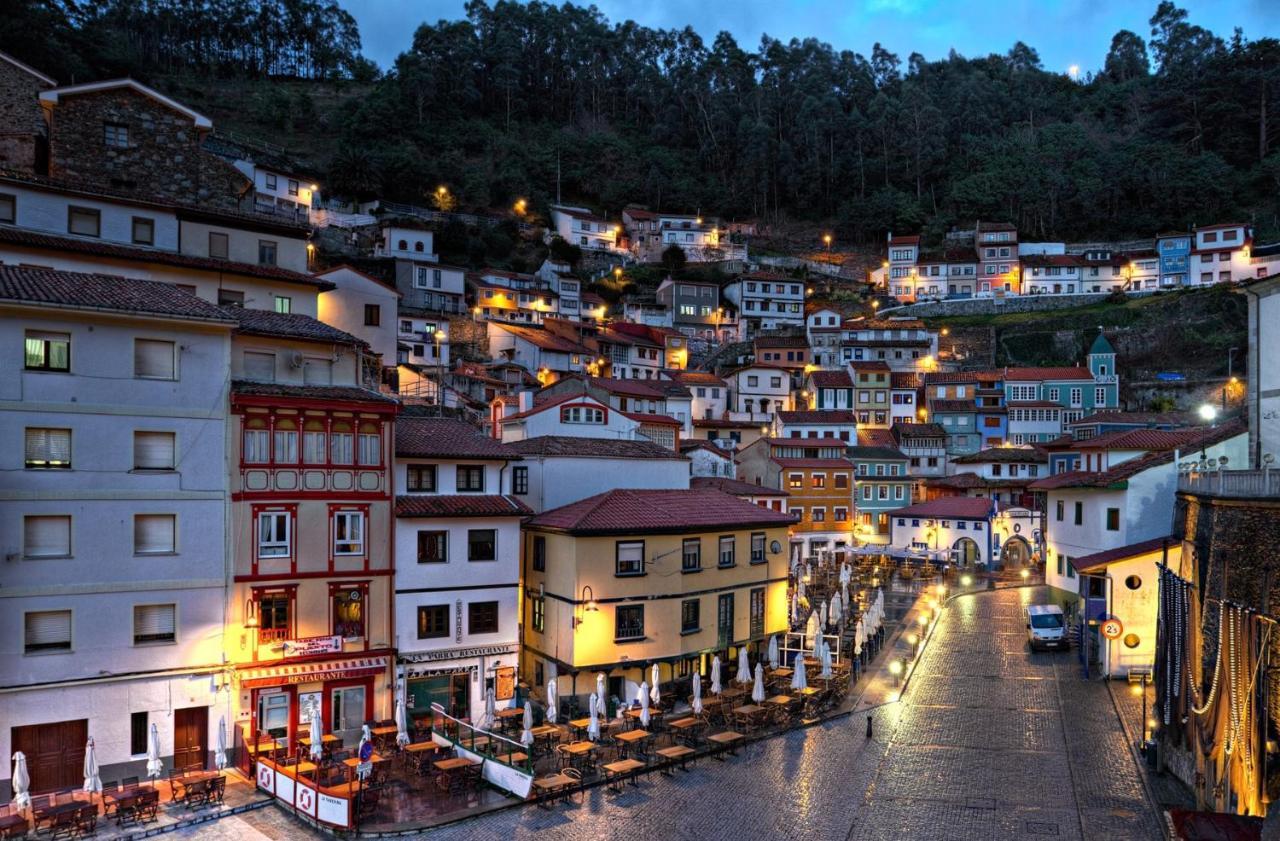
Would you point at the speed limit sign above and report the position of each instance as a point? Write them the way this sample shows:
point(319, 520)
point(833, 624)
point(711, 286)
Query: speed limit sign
point(1112, 628)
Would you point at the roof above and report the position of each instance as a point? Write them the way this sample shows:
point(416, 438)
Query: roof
point(846, 416)
point(734, 486)
point(544, 339)
point(460, 505)
point(27, 68)
point(831, 379)
point(949, 406)
point(1221, 225)
point(996, 226)
point(905, 379)
point(99, 248)
point(782, 341)
point(1132, 418)
point(568, 446)
point(1101, 345)
point(954, 507)
point(620, 337)
point(1140, 439)
point(381, 281)
point(53, 95)
point(690, 444)
point(1058, 373)
point(652, 389)
point(48, 287)
point(908, 240)
point(287, 325)
point(321, 393)
point(876, 437)
point(875, 453)
point(1004, 455)
point(419, 437)
point(689, 378)
point(918, 430)
point(543, 405)
point(1032, 404)
point(645, 417)
point(720, 423)
point(824, 463)
point(658, 511)
point(1099, 561)
point(869, 365)
point(967, 481)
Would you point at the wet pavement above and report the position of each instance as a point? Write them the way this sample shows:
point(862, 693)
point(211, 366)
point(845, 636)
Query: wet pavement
point(988, 741)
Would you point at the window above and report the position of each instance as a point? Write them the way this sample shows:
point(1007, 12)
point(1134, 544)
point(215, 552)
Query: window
point(313, 442)
point(470, 478)
point(230, 298)
point(691, 555)
point(728, 550)
point(154, 359)
point(275, 616)
point(482, 544)
point(47, 351)
point(582, 414)
point(538, 610)
point(293, 187)
point(8, 208)
point(539, 553)
point(520, 480)
point(84, 221)
point(47, 448)
point(46, 536)
point(421, 477)
point(340, 444)
point(155, 534)
point(433, 547)
point(819, 515)
point(273, 534)
point(369, 446)
point(690, 616)
point(154, 623)
point(115, 135)
point(433, 621)
point(1113, 519)
point(757, 547)
point(348, 611)
point(1058, 514)
point(348, 533)
point(819, 480)
point(1079, 513)
point(46, 631)
point(256, 442)
point(757, 611)
point(628, 622)
point(270, 179)
point(629, 557)
point(840, 514)
point(144, 230)
point(138, 732)
point(795, 481)
point(218, 245)
point(482, 618)
point(841, 481)
point(156, 450)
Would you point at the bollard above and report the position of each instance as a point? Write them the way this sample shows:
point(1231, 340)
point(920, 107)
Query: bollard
point(868, 727)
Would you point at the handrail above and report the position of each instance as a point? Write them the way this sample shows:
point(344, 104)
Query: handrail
point(1238, 484)
point(458, 739)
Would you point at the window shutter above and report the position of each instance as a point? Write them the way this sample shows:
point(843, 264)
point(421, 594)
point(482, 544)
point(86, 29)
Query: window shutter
point(48, 628)
point(47, 537)
point(153, 358)
point(153, 533)
point(153, 450)
point(48, 446)
point(260, 366)
point(153, 621)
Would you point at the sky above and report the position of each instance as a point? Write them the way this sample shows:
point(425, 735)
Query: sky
point(1064, 32)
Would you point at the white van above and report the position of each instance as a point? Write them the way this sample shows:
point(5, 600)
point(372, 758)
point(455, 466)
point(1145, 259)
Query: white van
point(1046, 626)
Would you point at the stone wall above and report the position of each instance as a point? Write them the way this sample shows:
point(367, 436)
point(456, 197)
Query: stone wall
point(996, 306)
point(163, 158)
point(22, 127)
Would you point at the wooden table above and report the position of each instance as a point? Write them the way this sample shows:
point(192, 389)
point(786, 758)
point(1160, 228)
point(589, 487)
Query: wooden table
point(48, 813)
point(733, 693)
point(631, 738)
point(355, 760)
point(580, 725)
point(13, 826)
point(418, 747)
point(544, 730)
point(389, 730)
point(304, 767)
point(675, 753)
point(326, 741)
point(779, 700)
point(749, 709)
point(687, 723)
point(190, 779)
point(511, 712)
point(514, 757)
point(728, 741)
point(782, 672)
point(616, 773)
point(453, 764)
point(550, 788)
point(809, 691)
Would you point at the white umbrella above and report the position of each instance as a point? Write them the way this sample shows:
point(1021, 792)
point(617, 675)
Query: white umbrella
point(715, 674)
point(21, 781)
point(220, 754)
point(844, 593)
point(798, 679)
point(154, 766)
point(600, 692)
point(490, 709)
point(826, 662)
point(744, 667)
point(837, 609)
point(526, 736)
point(551, 701)
point(654, 694)
point(800, 585)
point(822, 614)
point(811, 627)
point(402, 728)
point(317, 734)
point(92, 782)
point(773, 652)
point(859, 637)
point(593, 728)
point(817, 644)
point(757, 691)
point(795, 608)
point(696, 703)
point(643, 697)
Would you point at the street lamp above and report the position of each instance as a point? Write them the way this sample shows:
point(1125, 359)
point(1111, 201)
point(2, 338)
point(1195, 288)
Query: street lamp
point(439, 336)
point(914, 641)
point(1208, 413)
point(826, 239)
point(895, 669)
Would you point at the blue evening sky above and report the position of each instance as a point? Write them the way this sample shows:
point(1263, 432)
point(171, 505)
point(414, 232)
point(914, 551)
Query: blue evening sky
point(1065, 32)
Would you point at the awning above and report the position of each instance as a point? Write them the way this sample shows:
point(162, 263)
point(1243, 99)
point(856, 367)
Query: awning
point(285, 673)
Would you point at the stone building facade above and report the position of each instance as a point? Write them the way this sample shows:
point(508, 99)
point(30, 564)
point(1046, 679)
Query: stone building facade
point(22, 127)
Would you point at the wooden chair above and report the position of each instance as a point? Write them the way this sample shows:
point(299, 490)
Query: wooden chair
point(129, 782)
point(369, 798)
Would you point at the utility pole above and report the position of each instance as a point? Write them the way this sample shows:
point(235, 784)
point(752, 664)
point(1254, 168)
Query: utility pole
point(557, 176)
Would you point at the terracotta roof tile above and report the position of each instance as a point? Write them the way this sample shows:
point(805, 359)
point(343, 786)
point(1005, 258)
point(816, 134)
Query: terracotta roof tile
point(918, 430)
point(960, 507)
point(819, 416)
point(24, 284)
point(830, 463)
point(688, 378)
point(658, 511)
point(460, 505)
point(1099, 561)
point(418, 437)
point(287, 326)
point(831, 379)
point(734, 486)
point(1004, 455)
point(324, 393)
point(568, 446)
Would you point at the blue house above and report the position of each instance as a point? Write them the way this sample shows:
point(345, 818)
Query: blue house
point(1174, 252)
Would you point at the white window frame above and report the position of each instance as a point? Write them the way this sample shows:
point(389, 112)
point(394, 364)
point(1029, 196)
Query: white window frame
point(171, 548)
point(354, 543)
point(286, 544)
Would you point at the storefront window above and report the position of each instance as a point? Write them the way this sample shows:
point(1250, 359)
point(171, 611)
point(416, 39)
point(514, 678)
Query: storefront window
point(348, 612)
point(449, 691)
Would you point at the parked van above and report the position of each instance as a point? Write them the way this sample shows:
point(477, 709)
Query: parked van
point(1046, 626)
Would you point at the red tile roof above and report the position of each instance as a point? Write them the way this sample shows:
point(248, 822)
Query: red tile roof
point(967, 481)
point(568, 446)
point(318, 393)
point(689, 378)
point(796, 440)
point(47, 287)
point(949, 406)
point(287, 326)
point(1140, 439)
point(831, 379)
point(918, 430)
point(781, 342)
point(1004, 455)
point(460, 505)
point(718, 423)
point(624, 512)
point(953, 507)
point(906, 379)
point(734, 486)
point(418, 437)
point(818, 416)
point(828, 463)
point(544, 339)
point(880, 438)
point(644, 417)
point(909, 240)
point(1060, 373)
point(869, 365)
point(1099, 561)
point(689, 444)
point(1137, 418)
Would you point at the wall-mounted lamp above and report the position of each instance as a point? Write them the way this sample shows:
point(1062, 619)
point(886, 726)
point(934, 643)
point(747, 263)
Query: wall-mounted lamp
point(251, 614)
point(587, 604)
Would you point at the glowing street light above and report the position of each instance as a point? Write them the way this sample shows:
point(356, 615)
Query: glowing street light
point(1025, 573)
point(1208, 413)
point(895, 669)
point(966, 581)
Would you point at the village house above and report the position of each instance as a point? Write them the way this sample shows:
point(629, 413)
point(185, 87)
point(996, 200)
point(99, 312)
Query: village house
point(767, 301)
point(1000, 473)
point(580, 227)
point(760, 390)
point(818, 477)
point(559, 469)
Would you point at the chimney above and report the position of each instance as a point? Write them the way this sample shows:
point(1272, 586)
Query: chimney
point(526, 401)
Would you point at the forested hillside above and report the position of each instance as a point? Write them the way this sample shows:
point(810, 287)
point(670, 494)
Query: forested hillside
point(1179, 128)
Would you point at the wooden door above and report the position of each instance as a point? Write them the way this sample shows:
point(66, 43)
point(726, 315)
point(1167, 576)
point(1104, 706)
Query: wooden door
point(190, 728)
point(55, 753)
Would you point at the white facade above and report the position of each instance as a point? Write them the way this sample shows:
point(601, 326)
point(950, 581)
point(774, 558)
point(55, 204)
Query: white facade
point(767, 302)
point(580, 416)
point(407, 243)
point(363, 306)
point(417, 335)
point(276, 191)
point(580, 227)
point(556, 480)
point(761, 391)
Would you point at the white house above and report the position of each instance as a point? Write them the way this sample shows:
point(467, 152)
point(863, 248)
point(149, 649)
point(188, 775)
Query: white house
point(559, 469)
point(817, 423)
point(1221, 254)
point(1124, 584)
point(457, 542)
point(967, 531)
point(822, 326)
point(364, 306)
point(709, 395)
point(767, 301)
point(706, 459)
point(580, 227)
point(761, 390)
point(113, 520)
point(423, 339)
point(539, 351)
point(577, 415)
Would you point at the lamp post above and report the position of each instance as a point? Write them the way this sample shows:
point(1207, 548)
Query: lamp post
point(439, 337)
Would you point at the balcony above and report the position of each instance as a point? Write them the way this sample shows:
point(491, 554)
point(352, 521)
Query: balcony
point(1236, 484)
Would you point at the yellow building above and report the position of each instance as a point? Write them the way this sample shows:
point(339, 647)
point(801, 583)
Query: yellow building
point(619, 581)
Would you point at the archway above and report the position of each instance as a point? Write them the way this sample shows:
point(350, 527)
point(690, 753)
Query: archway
point(1016, 552)
point(965, 552)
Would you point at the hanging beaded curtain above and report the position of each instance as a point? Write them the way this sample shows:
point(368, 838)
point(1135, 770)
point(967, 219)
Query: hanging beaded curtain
point(1172, 656)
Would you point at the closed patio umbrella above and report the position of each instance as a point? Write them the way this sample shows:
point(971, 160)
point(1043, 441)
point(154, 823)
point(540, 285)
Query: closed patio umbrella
point(715, 675)
point(795, 608)
point(490, 709)
point(837, 609)
point(800, 585)
point(826, 674)
point(798, 679)
point(21, 781)
point(696, 703)
point(526, 735)
point(92, 782)
point(773, 652)
point(822, 614)
point(154, 766)
point(220, 753)
point(317, 734)
point(844, 594)
point(859, 637)
point(600, 693)
point(551, 701)
point(811, 627)
point(757, 691)
point(643, 697)
point(744, 667)
point(402, 723)
point(593, 710)
point(655, 694)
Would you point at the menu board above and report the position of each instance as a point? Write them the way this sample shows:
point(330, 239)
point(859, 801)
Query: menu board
point(504, 683)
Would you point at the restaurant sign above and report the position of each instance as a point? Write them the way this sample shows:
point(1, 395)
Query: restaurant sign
point(306, 646)
point(456, 653)
point(286, 675)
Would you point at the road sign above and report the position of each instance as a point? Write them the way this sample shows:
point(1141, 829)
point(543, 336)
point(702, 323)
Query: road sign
point(363, 769)
point(366, 751)
point(1112, 628)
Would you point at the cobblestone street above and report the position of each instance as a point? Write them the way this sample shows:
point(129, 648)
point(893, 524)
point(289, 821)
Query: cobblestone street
point(989, 741)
